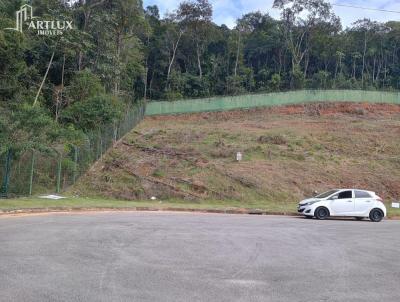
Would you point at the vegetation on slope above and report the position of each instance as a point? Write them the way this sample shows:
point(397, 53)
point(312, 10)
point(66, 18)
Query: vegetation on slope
point(289, 152)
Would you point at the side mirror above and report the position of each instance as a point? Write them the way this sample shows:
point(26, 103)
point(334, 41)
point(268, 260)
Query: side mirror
point(334, 197)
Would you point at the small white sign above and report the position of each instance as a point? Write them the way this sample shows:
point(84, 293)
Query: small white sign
point(239, 156)
point(55, 197)
point(396, 205)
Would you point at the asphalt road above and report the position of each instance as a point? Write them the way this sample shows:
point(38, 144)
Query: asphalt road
point(133, 256)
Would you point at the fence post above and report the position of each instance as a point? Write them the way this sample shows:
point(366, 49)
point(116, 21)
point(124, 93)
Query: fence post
point(101, 146)
point(115, 133)
point(6, 180)
point(31, 172)
point(75, 163)
point(59, 174)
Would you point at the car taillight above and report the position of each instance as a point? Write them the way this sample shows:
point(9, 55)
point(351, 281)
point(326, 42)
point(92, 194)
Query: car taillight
point(379, 199)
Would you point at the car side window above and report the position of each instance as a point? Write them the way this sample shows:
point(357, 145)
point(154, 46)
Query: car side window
point(334, 196)
point(345, 194)
point(362, 194)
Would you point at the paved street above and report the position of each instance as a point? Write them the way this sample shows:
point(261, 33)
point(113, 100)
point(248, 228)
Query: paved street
point(141, 256)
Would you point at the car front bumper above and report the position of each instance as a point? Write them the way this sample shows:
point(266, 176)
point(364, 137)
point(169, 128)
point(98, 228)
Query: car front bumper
point(306, 210)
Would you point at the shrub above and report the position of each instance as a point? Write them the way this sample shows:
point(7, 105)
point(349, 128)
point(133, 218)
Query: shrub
point(93, 112)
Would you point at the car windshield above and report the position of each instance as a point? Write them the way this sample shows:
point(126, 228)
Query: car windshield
point(326, 194)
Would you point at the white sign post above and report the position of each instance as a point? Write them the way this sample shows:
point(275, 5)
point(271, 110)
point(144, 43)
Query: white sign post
point(239, 156)
point(396, 205)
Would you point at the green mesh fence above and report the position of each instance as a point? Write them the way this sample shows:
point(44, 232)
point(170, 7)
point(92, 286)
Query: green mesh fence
point(270, 99)
point(33, 172)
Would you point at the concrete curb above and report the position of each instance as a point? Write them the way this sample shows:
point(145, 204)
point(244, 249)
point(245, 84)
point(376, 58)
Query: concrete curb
point(143, 209)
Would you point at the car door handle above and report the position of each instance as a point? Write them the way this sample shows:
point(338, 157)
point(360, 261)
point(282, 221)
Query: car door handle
point(349, 200)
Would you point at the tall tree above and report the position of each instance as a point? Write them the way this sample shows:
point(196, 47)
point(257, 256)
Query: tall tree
point(196, 18)
point(298, 19)
point(126, 17)
point(173, 35)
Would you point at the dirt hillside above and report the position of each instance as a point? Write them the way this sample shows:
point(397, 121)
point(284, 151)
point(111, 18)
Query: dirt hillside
point(288, 152)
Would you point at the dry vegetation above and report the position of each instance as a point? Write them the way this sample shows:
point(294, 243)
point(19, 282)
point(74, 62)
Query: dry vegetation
point(289, 152)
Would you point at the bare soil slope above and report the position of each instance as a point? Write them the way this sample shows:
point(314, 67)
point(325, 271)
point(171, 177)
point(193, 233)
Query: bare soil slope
point(289, 152)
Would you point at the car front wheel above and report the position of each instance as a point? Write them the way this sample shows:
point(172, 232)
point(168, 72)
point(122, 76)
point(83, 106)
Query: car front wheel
point(321, 213)
point(376, 215)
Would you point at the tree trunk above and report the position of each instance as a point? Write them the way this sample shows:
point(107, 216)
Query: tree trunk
point(151, 84)
point(378, 72)
point(59, 100)
point(336, 68)
point(198, 61)
point(174, 49)
point(237, 54)
point(7, 172)
point(145, 81)
point(146, 69)
point(44, 79)
point(85, 24)
point(363, 66)
point(306, 62)
point(117, 67)
point(373, 70)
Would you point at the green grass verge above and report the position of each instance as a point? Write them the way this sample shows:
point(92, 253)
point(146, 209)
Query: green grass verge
point(96, 202)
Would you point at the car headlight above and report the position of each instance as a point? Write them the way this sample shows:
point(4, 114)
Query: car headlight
point(311, 202)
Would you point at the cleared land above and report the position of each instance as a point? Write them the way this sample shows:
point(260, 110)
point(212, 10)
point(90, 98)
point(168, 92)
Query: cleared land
point(289, 152)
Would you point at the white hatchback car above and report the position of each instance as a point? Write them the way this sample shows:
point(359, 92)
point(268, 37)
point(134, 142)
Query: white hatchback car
point(344, 202)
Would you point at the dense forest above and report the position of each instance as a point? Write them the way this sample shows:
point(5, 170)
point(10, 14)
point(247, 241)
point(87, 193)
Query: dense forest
point(55, 87)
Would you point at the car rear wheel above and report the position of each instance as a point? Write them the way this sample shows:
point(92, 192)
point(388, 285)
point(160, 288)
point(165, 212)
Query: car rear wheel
point(321, 213)
point(376, 215)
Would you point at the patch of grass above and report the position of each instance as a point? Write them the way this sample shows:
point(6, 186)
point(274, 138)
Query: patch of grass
point(392, 212)
point(276, 139)
point(158, 173)
point(98, 202)
point(194, 171)
point(252, 153)
point(211, 138)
